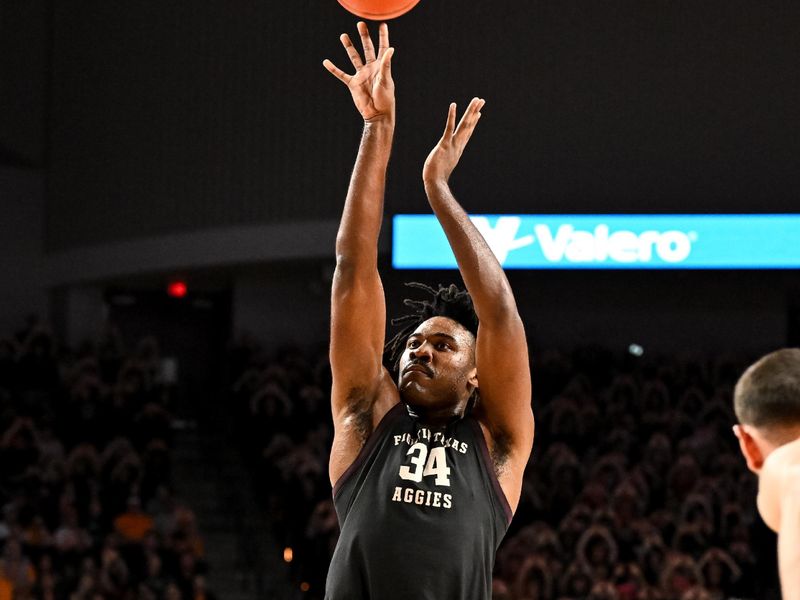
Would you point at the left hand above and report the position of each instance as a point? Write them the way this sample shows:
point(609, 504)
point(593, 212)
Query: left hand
point(372, 86)
point(446, 154)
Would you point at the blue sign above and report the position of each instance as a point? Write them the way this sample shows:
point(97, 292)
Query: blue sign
point(610, 241)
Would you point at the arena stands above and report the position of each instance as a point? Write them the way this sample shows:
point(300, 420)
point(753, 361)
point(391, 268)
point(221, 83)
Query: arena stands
point(635, 491)
point(85, 483)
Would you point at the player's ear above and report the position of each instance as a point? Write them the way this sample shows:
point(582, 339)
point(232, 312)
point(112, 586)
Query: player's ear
point(472, 377)
point(750, 449)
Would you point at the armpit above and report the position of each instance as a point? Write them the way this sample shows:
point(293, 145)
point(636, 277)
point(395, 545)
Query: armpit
point(358, 419)
point(501, 450)
point(498, 445)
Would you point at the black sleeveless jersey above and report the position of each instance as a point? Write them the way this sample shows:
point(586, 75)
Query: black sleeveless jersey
point(421, 514)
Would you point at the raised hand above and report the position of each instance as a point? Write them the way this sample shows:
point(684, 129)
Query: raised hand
point(371, 86)
point(445, 155)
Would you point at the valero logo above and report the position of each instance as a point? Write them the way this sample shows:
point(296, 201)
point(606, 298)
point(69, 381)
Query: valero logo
point(573, 245)
point(610, 241)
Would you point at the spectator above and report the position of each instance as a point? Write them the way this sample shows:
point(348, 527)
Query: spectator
point(534, 581)
point(576, 582)
point(134, 523)
point(603, 590)
point(597, 552)
point(720, 573)
point(680, 575)
point(84, 444)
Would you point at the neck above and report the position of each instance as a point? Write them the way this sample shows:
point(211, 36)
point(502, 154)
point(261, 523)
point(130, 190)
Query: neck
point(776, 437)
point(438, 416)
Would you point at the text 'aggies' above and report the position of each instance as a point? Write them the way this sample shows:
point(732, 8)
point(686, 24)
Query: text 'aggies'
point(409, 495)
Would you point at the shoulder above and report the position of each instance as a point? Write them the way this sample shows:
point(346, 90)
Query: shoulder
point(358, 422)
point(365, 407)
point(786, 455)
point(779, 482)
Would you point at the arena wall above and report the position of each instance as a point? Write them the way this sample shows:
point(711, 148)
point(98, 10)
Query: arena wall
point(21, 255)
point(176, 118)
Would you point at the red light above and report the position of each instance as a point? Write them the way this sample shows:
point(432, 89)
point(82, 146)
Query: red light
point(177, 289)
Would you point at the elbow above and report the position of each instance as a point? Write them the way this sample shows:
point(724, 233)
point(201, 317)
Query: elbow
point(352, 271)
point(355, 251)
point(501, 315)
point(352, 263)
point(501, 307)
point(345, 273)
point(344, 262)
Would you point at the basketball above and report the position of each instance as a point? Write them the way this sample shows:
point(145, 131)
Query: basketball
point(378, 10)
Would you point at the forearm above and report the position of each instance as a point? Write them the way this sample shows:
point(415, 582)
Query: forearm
point(357, 239)
point(482, 273)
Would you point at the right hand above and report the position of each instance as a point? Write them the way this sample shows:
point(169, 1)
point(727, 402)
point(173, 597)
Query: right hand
point(445, 155)
point(372, 86)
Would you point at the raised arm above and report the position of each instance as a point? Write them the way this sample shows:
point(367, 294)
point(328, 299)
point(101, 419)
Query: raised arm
point(501, 349)
point(358, 309)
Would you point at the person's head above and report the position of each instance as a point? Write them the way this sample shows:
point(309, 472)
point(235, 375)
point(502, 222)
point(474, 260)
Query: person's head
point(500, 589)
point(603, 590)
point(576, 581)
point(533, 580)
point(767, 405)
point(134, 504)
point(434, 353)
point(172, 591)
point(597, 549)
point(153, 565)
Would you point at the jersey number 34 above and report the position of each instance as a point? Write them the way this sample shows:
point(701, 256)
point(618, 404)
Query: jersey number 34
point(425, 463)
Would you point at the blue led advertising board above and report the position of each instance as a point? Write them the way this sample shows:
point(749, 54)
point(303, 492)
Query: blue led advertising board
point(610, 241)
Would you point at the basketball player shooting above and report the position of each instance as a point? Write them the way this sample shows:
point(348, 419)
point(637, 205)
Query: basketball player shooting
point(767, 404)
point(426, 468)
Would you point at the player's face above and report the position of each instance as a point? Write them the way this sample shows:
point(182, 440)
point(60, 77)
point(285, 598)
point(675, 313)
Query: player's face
point(437, 368)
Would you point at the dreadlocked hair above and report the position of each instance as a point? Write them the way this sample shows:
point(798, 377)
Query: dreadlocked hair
point(451, 302)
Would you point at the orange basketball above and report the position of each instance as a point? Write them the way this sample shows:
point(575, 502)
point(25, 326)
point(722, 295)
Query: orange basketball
point(378, 10)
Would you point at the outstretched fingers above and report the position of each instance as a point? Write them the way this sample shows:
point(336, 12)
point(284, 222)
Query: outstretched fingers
point(352, 53)
point(336, 72)
point(366, 41)
point(470, 119)
point(386, 65)
point(383, 39)
point(451, 121)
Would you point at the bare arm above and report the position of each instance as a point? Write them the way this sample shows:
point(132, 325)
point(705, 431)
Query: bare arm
point(358, 309)
point(789, 539)
point(502, 352)
point(779, 505)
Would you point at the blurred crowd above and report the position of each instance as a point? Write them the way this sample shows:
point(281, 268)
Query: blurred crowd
point(85, 474)
point(635, 489)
